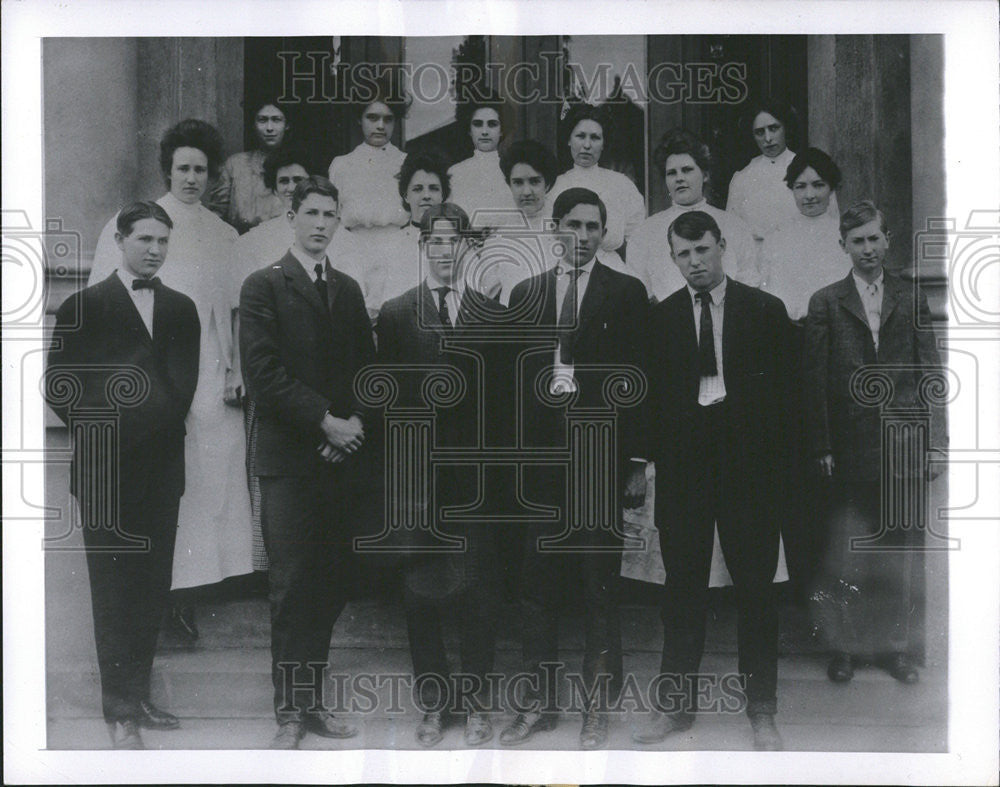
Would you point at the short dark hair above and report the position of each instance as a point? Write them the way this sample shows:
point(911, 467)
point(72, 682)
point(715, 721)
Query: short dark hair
point(678, 141)
point(779, 109)
point(192, 133)
point(859, 214)
point(692, 225)
point(284, 156)
point(448, 211)
point(137, 211)
point(466, 109)
point(825, 167)
point(429, 161)
point(582, 111)
point(535, 155)
point(570, 198)
point(314, 184)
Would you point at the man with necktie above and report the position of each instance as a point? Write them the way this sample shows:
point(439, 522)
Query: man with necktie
point(595, 316)
point(440, 323)
point(304, 334)
point(870, 318)
point(719, 387)
point(125, 335)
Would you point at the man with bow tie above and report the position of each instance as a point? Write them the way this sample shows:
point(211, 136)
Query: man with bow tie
point(128, 346)
point(304, 335)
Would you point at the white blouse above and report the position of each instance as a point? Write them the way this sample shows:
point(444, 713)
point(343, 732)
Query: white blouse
point(626, 207)
point(758, 194)
point(478, 187)
point(802, 256)
point(366, 181)
point(648, 253)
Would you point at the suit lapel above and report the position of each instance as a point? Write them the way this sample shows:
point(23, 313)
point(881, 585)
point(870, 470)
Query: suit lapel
point(732, 319)
point(332, 286)
point(549, 308)
point(299, 281)
point(593, 298)
point(851, 301)
point(427, 303)
point(890, 297)
point(687, 339)
point(126, 312)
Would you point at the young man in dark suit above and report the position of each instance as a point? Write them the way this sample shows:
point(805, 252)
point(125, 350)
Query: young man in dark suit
point(870, 318)
point(596, 318)
point(719, 383)
point(304, 334)
point(128, 346)
point(443, 322)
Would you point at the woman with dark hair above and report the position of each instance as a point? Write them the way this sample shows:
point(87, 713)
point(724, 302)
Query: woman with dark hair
point(585, 132)
point(365, 179)
point(423, 183)
point(477, 185)
point(685, 164)
point(213, 526)
point(804, 254)
point(240, 196)
point(757, 193)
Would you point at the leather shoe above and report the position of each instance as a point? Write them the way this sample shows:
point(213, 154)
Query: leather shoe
point(478, 729)
point(429, 731)
point(125, 735)
point(765, 733)
point(901, 668)
point(182, 621)
point(594, 732)
point(524, 726)
point(841, 668)
point(288, 735)
point(327, 725)
point(661, 726)
point(152, 718)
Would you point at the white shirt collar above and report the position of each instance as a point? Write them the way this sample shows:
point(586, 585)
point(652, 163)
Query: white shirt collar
point(585, 270)
point(862, 285)
point(485, 155)
point(127, 276)
point(307, 262)
point(717, 293)
point(433, 282)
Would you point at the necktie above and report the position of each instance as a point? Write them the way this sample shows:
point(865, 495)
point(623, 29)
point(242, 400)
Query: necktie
point(320, 283)
point(567, 318)
point(443, 314)
point(706, 338)
point(147, 284)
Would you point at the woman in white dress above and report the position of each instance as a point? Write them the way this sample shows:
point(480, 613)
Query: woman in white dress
point(423, 182)
point(266, 243)
point(685, 164)
point(757, 193)
point(804, 254)
point(477, 184)
point(365, 179)
point(213, 527)
point(586, 134)
point(240, 196)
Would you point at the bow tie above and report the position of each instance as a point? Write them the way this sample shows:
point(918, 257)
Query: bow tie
point(147, 284)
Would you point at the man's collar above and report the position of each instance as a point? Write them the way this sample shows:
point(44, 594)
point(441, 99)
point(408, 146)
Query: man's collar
point(587, 269)
point(126, 276)
point(717, 293)
point(862, 285)
point(306, 261)
point(433, 283)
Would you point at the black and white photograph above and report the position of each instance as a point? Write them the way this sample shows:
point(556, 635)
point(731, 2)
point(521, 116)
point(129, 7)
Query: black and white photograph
point(463, 395)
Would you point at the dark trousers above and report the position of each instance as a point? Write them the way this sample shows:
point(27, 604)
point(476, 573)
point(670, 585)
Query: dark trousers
point(748, 532)
point(129, 591)
point(467, 583)
point(308, 548)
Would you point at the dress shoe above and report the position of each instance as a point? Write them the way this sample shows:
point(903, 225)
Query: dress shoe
point(661, 726)
point(478, 729)
point(125, 735)
point(524, 726)
point(841, 668)
point(288, 735)
point(152, 718)
point(765, 733)
point(594, 733)
point(429, 731)
point(182, 621)
point(900, 667)
point(327, 725)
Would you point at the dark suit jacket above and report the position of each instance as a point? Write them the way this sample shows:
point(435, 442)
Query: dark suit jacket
point(111, 339)
point(838, 342)
point(300, 357)
point(756, 364)
point(609, 331)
